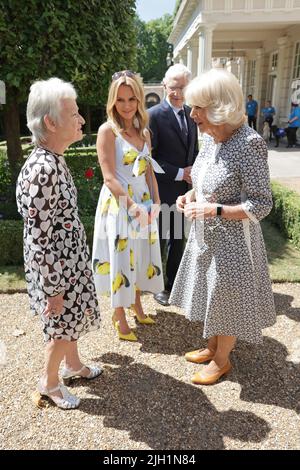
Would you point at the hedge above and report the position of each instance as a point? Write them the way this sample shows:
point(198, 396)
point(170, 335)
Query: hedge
point(78, 161)
point(11, 240)
point(286, 212)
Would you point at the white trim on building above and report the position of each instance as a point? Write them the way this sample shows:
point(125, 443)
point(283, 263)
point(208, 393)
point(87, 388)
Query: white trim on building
point(258, 40)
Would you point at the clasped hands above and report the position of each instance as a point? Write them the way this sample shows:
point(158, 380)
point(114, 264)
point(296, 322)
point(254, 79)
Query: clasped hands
point(144, 217)
point(195, 210)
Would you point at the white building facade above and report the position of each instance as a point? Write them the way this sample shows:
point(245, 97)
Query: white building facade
point(258, 40)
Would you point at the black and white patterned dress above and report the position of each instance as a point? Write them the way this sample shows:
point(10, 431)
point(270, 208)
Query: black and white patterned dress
point(223, 278)
point(56, 256)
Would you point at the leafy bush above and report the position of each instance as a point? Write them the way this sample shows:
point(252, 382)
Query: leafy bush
point(8, 209)
point(286, 212)
point(88, 188)
point(11, 240)
point(78, 161)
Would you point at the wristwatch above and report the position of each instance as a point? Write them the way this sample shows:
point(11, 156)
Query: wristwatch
point(219, 210)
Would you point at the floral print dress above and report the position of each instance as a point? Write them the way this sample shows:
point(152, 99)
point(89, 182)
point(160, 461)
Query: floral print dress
point(56, 256)
point(126, 257)
point(223, 277)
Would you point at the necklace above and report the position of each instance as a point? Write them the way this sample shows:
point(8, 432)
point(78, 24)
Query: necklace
point(126, 131)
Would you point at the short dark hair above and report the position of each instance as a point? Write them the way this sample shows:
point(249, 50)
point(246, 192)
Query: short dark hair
point(249, 96)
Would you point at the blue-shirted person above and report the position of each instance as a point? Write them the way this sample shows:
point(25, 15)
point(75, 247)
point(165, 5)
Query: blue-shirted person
point(294, 124)
point(251, 111)
point(268, 113)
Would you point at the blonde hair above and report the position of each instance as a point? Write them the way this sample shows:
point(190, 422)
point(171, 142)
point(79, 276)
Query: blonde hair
point(114, 118)
point(220, 93)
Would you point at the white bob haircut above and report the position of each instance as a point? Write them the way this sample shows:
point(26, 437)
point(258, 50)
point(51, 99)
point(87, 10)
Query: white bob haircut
point(176, 71)
point(45, 100)
point(220, 93)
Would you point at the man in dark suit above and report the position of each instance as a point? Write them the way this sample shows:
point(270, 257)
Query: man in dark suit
point(174, 146)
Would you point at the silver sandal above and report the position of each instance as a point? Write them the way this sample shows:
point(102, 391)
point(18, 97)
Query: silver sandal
point(68, 374)
point(68, 401)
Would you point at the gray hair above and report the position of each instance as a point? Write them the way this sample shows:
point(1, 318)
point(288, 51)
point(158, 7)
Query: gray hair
point(177, 70)
point(45, 100)
point(221, 94)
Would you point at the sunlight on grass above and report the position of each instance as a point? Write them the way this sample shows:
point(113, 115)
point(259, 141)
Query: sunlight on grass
point(12, 278)
point(284, 258)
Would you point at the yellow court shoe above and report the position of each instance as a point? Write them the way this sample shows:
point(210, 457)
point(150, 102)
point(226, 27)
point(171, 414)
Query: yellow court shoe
point(200, 379)
point(143, 321)
point(129, 337)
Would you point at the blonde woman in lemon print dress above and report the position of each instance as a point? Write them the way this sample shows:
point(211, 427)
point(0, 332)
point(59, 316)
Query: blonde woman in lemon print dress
point(126, 250)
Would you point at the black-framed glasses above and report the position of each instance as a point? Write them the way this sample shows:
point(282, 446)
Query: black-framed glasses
point(123, 73)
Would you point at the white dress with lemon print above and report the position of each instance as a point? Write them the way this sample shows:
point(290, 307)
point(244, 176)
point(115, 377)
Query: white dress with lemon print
point(126, 257)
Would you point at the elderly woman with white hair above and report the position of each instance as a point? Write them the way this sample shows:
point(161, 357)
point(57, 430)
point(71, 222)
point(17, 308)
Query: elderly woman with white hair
point(223, 277)
point(56, 257)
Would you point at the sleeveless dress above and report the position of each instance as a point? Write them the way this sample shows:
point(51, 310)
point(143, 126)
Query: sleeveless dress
point(125, 256)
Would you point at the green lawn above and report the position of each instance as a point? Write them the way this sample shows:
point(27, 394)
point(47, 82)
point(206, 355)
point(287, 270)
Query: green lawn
point(284, 258)
point(284, 262)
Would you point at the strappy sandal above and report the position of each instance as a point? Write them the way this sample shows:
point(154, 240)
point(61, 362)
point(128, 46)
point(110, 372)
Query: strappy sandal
point(68, 375)
point(68, 401)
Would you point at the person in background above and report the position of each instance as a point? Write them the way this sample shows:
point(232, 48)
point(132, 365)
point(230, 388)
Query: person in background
point(174, 147)
point(57, 266)
point(223, 277)
point(268, 113)
point(251, 111)
point(293, 125)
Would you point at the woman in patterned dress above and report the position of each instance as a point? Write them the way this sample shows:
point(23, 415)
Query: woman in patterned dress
point(126, 252)
point(57, 267)
point(223, 278)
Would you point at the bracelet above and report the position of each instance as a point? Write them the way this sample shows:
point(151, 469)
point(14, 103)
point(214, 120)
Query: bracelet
point(219, 210)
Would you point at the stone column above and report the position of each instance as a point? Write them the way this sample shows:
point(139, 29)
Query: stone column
point(189, 57)
point(283, 43)
point(258, 80)
point(205, 48)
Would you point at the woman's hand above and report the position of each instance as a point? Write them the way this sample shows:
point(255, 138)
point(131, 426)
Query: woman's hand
point(155, 210)
point(185, 199)
point(140, 213)
point(197, 210)
point(180, 203)
point(54, 306)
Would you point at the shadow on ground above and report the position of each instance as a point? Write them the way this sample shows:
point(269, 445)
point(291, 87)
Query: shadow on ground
point(163, 412)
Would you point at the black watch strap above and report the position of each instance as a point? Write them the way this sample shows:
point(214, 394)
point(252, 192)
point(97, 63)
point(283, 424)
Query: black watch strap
point(219, 211)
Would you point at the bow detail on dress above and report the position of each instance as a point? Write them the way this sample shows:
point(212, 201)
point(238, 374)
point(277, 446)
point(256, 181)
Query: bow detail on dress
point(140, 165)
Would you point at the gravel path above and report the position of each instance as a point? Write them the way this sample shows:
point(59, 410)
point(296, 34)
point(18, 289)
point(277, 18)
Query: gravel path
point(144, 398)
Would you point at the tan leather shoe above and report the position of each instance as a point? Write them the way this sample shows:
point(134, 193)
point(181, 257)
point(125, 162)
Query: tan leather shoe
point(211, 379)
point(195, 356)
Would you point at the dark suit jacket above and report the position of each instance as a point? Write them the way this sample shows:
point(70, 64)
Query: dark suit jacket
point(170, 150)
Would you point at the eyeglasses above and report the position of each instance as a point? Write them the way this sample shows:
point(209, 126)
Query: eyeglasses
point(123, 73)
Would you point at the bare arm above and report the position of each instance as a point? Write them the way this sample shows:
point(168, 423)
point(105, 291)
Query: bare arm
point(107, 161)
point(150, 176)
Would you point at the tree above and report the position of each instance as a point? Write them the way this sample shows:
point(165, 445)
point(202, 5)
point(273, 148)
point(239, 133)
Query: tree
point(83, 42)
point(152, 47)
point(177, 6)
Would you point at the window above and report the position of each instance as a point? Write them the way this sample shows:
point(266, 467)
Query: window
point(274, 62)
point(296, 67)
point(252, 65)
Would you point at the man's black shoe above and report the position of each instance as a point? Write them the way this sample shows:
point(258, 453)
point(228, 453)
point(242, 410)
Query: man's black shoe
point(162, 298)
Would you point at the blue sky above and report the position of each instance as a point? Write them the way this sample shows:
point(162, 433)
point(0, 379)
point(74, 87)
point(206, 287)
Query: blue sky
point(151, 9)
